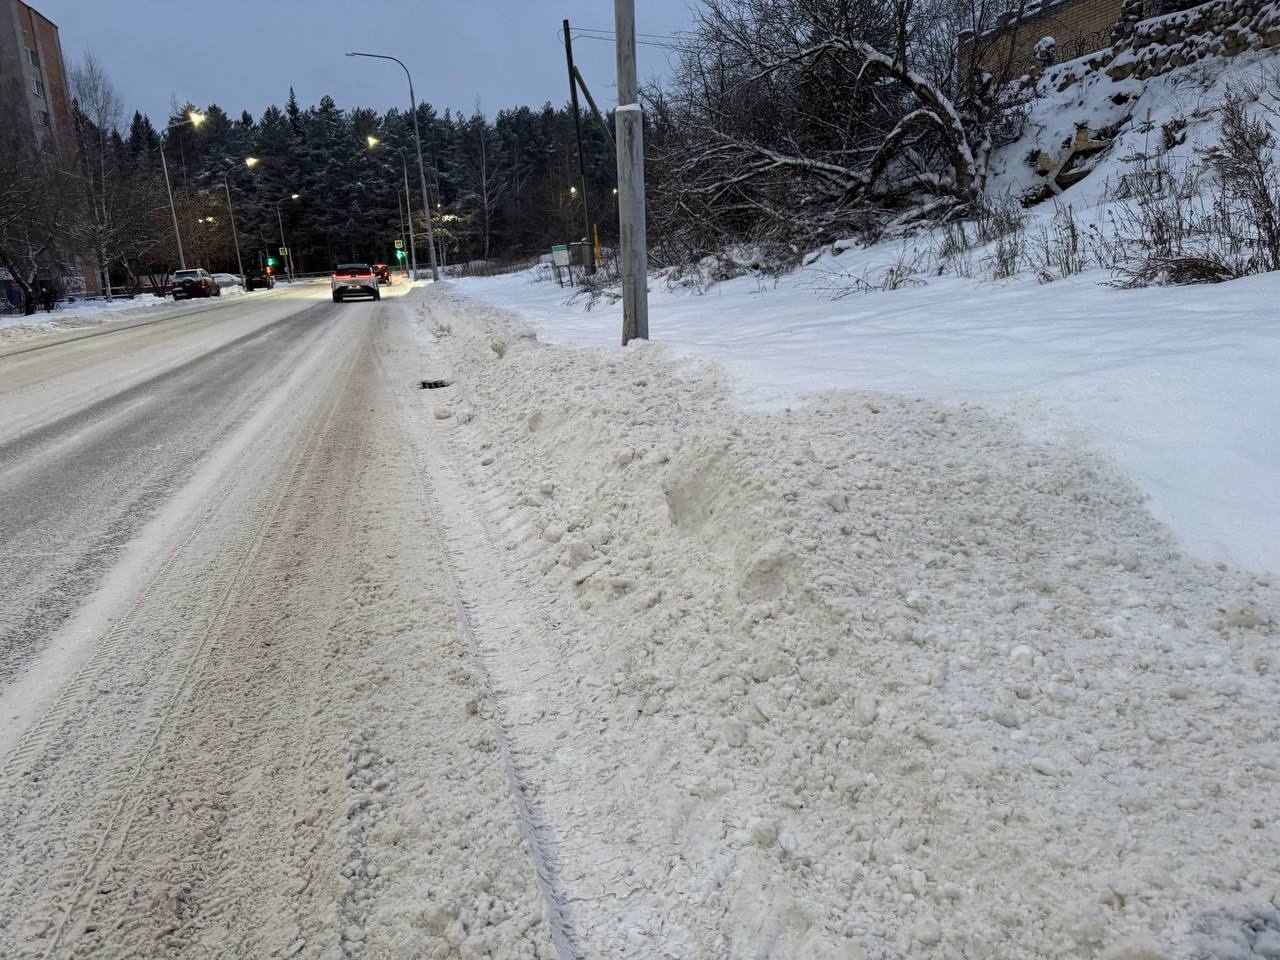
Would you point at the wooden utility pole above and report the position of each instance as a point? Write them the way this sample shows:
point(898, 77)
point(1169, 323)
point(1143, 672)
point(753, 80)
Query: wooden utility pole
point(577, 128)
point(629, 120)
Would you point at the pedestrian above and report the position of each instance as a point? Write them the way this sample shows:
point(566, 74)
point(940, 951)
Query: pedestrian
point(46, 296)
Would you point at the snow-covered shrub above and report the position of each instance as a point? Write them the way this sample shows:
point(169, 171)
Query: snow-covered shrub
point(1245, 161)
point(1203, 219)
point(903, 271)
point(1060, 248)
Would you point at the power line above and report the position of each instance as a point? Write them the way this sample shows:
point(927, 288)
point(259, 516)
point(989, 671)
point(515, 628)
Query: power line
point(647, 43)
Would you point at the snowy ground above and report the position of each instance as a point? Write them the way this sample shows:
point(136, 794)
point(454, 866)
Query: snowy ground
point(1180, 386)
point(89, 313)
point(867, 677)
point(575, 658)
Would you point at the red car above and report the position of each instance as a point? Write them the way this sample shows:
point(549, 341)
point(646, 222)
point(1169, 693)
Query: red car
point(382, 272)
point(194, 283)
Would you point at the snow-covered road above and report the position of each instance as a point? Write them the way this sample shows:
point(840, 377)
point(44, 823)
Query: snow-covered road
point(259, 735)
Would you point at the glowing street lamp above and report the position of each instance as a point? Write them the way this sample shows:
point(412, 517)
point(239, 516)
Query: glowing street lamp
point(413, 254)
point(249, 162)
point(194, 118)
point(280, 221)
point(417, 142)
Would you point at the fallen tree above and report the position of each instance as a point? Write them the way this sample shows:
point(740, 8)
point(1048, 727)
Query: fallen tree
point(813, 118)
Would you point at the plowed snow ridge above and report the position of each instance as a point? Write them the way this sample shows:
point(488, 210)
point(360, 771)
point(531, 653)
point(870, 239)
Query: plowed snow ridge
point(872, 677)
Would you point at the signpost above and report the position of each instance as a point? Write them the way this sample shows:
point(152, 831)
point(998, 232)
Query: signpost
point(559, 258)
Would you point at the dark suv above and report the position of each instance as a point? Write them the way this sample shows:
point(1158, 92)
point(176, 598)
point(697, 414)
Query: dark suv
point(194, 283)
point(382, 272)
point(255, 278)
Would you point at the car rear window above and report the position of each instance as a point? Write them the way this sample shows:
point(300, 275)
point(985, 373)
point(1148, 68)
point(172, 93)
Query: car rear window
point(356, 268)
point(186, 275)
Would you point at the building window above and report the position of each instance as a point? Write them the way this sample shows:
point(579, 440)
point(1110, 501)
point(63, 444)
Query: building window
point(38, 86)
point(31, 56)
point(44, 118)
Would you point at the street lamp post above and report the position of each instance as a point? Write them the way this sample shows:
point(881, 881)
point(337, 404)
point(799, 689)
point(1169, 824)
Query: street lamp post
point(413, 251)
point(195, 119)
point(280, 221)
point(417, 141)
point(235, 237)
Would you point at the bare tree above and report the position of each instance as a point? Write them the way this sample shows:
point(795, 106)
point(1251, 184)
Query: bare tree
point(484, 176)
point(35, 204)
point(794, 118)
point(97, 112)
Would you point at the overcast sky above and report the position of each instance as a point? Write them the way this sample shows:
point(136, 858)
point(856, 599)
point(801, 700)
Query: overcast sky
point(244, 55)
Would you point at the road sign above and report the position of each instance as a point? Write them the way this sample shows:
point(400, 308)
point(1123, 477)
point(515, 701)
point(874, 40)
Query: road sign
point(399, 244)
point(560, 254)
point(284, 251)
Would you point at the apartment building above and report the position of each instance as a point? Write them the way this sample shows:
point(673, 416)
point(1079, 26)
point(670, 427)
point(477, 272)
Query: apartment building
point(35, 103)
point(33, 76)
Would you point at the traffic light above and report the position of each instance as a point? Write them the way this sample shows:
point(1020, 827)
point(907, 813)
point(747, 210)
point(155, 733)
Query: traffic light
point(271, 261)
point(399, 254)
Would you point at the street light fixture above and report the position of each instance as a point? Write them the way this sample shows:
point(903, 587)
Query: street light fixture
point(194, 118)
point(249, 162)
point(417, 141)
point(413, 253)
point(280, 221)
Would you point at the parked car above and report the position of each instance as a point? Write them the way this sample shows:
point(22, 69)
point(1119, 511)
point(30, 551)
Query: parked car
point(354, 280)
point(382, 272)
point(194, 283)
point(255, 278)
point(225, 280)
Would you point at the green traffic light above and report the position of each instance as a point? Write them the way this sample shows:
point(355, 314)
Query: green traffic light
point(399, 254)
point(271, 261)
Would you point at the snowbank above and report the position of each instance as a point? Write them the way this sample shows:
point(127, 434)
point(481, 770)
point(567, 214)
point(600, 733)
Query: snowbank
point(87, 313)
point(872, 677)
point(1179, 385)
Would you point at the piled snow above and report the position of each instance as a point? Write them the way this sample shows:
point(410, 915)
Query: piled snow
point(1179, 385)
point(87, 313)
point(869, 678)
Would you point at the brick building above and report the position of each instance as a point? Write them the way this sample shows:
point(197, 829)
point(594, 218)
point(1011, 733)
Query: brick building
point(36, 97)
point(1077, 27)
point(33, 74)
point(1008, 49)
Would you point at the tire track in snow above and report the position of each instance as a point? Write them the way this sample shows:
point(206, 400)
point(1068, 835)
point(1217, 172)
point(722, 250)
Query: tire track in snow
point(471, 559)
point(114, 829)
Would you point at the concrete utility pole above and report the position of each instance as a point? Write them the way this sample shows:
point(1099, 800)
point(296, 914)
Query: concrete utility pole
point(634, 263)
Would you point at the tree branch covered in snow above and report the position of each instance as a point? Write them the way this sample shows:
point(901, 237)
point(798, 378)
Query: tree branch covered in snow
point(791, 121)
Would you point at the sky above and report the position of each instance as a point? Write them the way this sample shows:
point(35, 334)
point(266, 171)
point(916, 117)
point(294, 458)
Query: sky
point(245, 55)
